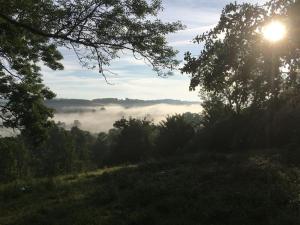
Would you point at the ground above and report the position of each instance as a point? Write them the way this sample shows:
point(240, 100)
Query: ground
point(208, 189)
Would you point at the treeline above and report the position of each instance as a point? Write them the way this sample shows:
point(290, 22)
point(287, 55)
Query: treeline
point(274, 126)
point(132, 140)
point(70, 151)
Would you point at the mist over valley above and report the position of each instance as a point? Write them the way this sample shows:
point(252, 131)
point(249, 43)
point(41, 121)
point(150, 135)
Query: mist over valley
point(99, 115)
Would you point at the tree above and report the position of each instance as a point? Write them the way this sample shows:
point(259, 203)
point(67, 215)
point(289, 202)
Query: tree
point(134, 142)
point(57, 154)
point(174, 134)
point(83, 142)
point(100, 150)
point(194, 119)
point(214, 110)
point(33, 31)
point(250, 85)
point(240, 67)
point(14, 160)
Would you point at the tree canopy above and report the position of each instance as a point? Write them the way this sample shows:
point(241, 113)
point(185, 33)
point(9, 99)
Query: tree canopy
point(32, 32)
point(241, 68)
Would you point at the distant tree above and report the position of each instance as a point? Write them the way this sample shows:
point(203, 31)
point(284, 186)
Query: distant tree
point(76, 123)
point(194, 119)
point(134, 142)
point(97, 31)
point(174, 133)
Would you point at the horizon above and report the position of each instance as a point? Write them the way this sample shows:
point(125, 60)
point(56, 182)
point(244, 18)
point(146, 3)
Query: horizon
point(140, 99)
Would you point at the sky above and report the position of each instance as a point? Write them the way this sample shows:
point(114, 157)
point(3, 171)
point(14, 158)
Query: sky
point(134, 78)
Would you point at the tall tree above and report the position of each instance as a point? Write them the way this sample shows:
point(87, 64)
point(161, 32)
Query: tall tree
point(237, 65)
point(33, 31)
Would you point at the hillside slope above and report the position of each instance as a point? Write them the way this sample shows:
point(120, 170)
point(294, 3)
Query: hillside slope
point(211, 189)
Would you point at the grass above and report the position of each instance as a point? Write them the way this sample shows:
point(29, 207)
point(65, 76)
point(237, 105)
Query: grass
point(210, 189)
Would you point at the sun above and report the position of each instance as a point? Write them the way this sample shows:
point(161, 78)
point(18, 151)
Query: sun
point(274, 31)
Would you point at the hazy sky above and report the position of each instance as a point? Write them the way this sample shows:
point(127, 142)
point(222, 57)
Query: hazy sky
point(135, 79)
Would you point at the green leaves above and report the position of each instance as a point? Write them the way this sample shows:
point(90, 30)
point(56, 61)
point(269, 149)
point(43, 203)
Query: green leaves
point(237, 64)
point(98, 31)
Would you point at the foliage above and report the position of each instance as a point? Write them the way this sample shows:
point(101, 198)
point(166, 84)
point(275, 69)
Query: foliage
point(82, 141)
point(238, 66)
point(249, 102)
point(98, 31)
point(206, 189)
point(249, 86)
point(14, 160)
point(193, 119)
point(100, 150)
point(274, 127)
point(57, 154)
point(134, 142)
point(174, 133)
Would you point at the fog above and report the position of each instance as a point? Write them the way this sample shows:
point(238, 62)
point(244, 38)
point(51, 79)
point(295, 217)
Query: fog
point(96, 120)
point(7, 132)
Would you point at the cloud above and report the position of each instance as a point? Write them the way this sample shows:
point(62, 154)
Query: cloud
point(93, 86)
point(102, 120)
point(8, 132)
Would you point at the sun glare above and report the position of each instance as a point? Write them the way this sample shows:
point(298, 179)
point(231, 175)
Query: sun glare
point(274, 31)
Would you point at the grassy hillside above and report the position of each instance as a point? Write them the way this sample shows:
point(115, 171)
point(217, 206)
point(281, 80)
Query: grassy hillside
point(213, 189)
